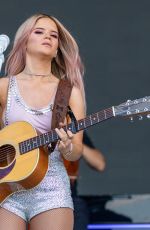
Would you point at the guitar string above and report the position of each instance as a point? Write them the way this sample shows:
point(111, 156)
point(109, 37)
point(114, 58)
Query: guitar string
point(4, 157)
point(6, 150)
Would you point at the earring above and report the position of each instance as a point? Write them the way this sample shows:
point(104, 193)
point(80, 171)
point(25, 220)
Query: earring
point(56, 54)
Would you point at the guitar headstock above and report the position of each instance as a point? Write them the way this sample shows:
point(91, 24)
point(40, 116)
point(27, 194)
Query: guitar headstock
point(133, 108)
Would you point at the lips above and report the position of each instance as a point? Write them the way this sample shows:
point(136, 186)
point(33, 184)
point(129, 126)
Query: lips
point(46, 44)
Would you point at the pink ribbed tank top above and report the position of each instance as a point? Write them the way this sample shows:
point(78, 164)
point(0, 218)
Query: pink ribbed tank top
point(18, 110)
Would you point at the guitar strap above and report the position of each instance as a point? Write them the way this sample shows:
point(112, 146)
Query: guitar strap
point(60, 110)
point(60, 107)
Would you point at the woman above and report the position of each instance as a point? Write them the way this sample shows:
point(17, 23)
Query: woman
point(43, 53)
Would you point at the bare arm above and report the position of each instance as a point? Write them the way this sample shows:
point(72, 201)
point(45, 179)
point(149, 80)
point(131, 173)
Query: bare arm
point(1, 112)
point(94, 158)
point(3, 95)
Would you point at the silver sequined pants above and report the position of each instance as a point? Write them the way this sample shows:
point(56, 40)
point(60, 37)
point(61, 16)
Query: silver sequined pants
point(52, 192)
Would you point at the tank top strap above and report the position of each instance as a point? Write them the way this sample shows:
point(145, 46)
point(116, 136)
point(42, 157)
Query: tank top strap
point(9, 97)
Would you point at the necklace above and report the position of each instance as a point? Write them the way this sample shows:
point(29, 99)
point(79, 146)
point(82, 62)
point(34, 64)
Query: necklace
point(38, 75)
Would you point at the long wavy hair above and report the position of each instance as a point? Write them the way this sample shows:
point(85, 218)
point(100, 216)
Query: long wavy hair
point(67, 62)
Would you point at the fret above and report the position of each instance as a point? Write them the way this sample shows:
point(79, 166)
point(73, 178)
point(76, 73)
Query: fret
point(35, 144)
point(52, 136)
point(31, 143)
point(101, 115)
point(105, 116)
point(97, 117)
point(94, 119)
point(70, 126)
point(81, 125)
point(46, 138)
point(90, 119)
point(72, 129)
point(37, 140)
point(28, 145)
point(21, 147)
point(55, 136)
point(86, 123)
point(25, 146)
point(109, 112)
point(41, 140)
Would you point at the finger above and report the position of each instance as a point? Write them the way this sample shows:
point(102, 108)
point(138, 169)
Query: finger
point(65, 136)
point(63, 131)
point(64, 139)
point(70, 134)
point(62, 134)
point(62, 145)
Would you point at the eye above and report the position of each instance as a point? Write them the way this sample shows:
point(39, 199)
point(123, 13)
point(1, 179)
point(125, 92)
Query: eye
point(38, 32)
point(54, 36)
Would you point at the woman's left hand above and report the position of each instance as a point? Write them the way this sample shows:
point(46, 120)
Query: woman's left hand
point(65, 142)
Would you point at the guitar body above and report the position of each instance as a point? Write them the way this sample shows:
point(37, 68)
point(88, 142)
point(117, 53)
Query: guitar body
point(19, 171)
point(72, 168)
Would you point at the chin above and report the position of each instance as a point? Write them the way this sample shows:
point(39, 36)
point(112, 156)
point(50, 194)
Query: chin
point(44, 54)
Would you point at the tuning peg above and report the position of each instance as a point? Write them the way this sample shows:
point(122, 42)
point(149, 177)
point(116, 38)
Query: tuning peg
point(144, 99)
point(131, 119)
point(128, 102)
point(148, 116)
point(135, 101)
point(140, 118)
point(137, 110)
point(128, 112)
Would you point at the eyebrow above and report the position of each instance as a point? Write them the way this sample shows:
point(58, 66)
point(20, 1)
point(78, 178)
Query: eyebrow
point(44, 29)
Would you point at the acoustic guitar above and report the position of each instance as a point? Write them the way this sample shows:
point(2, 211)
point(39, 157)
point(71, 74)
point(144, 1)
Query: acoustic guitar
point(23, 160)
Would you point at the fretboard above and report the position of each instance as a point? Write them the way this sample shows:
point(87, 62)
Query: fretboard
point(52, 136)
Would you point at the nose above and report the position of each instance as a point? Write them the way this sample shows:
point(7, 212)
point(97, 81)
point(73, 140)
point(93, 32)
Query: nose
point(47, 35)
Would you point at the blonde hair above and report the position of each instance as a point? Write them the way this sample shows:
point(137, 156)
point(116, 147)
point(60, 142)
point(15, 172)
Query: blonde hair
point(67, 62)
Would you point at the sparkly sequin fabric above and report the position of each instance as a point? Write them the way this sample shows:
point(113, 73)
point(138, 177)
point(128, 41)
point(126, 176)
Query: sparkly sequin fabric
point(54, 190)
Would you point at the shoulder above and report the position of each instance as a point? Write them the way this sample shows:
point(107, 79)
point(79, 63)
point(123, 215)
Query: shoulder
point(4, 81)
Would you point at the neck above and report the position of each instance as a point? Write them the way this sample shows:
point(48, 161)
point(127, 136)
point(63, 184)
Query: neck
point(37, 67)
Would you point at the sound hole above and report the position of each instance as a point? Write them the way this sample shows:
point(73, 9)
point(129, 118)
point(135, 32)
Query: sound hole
point(7, 155)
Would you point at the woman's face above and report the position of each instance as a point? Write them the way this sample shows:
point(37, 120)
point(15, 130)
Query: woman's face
point(43, 39)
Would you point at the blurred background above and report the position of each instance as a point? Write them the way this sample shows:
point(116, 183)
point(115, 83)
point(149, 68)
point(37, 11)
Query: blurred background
point(114, 41)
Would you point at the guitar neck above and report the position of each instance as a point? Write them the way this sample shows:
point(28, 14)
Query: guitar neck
point(52, 136)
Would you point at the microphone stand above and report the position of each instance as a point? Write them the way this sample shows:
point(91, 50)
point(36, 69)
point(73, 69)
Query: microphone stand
point(1, 60)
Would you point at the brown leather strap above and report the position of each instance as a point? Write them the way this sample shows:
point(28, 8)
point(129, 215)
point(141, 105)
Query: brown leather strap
point(60, 105)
